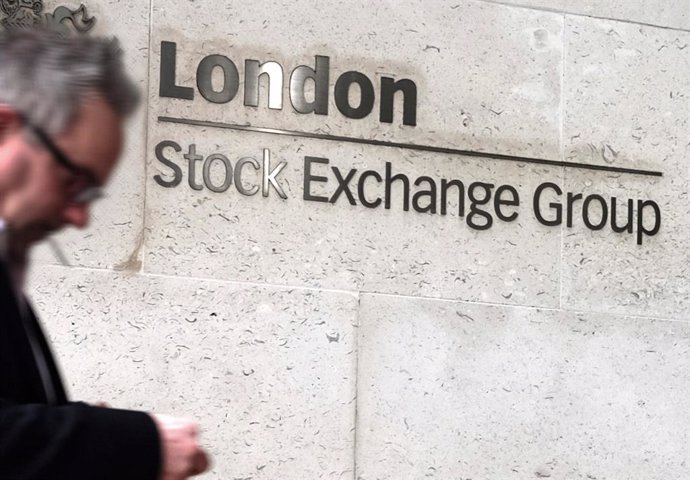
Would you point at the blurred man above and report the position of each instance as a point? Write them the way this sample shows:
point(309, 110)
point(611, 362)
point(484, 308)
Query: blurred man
point(62, 106)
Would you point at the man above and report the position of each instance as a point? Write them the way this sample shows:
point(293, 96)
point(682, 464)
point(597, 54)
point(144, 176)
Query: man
point(62, 105)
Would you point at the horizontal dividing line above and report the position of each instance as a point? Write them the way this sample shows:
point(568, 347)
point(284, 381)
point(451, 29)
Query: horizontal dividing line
point(407, 146)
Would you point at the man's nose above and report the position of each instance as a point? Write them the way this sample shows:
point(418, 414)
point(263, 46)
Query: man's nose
point(76, 214)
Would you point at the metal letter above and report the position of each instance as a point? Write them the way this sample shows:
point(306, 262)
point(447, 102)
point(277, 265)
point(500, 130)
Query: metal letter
point(177, 171)
point(556, 206)
point(388, 89)
point(445, 186)
point(474, 201)
point(628, 227)
point(499, 202)
point(360, 189)
point(308, 178)
point(571, 199)
point(431, 193)
point(342, 95)
point(390, 178)
point(640, 220)
point(270, 175)
point(167, 87)
point(192, 157)
point(343, 185)
point(604, 212)
point(238, 176)
point(207, 172)
point(298, 82)
point(204, 79)
point(252, 73)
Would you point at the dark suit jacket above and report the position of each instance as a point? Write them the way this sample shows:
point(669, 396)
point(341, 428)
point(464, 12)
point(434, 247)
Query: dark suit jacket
point(45, 437)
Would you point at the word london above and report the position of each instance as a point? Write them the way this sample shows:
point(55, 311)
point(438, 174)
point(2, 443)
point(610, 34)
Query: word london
point(302, 80)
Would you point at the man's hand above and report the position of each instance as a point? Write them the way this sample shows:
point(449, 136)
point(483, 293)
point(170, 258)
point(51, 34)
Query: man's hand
point(182, 455)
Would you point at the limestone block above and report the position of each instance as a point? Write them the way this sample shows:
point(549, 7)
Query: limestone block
point(487, 78)
point(626, 105)
point(115, 235)
point(451, 390)
point(669, 13)
point(269, 372)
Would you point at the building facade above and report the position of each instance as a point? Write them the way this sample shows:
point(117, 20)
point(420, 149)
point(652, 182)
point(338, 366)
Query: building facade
point(395, 240)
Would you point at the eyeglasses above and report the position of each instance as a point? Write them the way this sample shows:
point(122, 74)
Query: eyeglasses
point(83, 195)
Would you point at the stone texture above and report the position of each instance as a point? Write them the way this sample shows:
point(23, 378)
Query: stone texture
point(488, 78)
point(270, 373)
point(580, 388)
point(116, 233)
point(669, 13)
point(298, 242)
point(626, 105)
point(450, 390)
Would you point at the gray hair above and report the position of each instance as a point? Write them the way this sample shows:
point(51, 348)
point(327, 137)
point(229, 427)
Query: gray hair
point(46, 77)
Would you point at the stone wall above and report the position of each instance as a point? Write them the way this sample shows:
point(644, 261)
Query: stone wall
point(319, 339)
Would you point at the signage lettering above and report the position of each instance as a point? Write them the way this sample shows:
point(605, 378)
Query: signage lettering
point(635, 218)
point(231, 176)
point(480, 204)
point(274, 74)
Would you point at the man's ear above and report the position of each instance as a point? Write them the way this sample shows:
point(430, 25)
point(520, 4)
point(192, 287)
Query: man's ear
point(10, 120)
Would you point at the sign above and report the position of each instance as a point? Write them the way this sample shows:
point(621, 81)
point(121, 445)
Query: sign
point(480, 204)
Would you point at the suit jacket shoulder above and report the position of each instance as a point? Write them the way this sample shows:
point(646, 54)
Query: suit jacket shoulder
point(20, 378)
point(60, 440)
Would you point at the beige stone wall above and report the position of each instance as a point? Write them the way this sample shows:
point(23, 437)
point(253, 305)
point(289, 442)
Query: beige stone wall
point(326, 340)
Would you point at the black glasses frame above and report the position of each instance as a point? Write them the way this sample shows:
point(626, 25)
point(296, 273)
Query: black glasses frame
point(91, 193)
point(60, 156)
